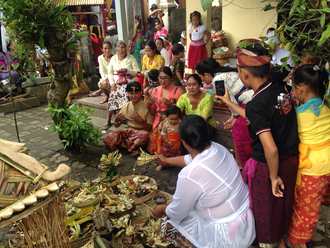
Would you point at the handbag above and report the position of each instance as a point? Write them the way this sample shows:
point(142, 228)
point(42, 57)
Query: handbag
point(122, 79)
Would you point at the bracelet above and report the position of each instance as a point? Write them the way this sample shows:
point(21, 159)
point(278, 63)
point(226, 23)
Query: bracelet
point(116, 122)
point(182, 81)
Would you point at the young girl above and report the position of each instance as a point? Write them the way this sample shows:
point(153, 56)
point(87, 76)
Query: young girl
point(309, 84)
point(152, 77)
point(169, 142)
point(159, 29)
point(138, 39)
point(197, 49)
point(160, 47)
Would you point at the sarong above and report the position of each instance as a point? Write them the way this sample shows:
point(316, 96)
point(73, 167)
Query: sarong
point(172, 235)
point(118, 97)
point(272, 214)
point(152, 144)
point(306, 207)
point(174, 151)
point(127, 138)
point(136, 53)
point(242, 139)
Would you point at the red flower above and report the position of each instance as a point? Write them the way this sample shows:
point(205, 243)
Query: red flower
point(196, 30)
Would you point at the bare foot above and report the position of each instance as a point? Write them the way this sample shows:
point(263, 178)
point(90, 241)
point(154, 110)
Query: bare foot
point(159, 168)
point(135, 153)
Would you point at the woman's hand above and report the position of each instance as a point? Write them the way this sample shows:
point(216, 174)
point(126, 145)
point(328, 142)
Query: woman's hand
point(276, 184)
point(151, 102)
point(167, 102)
point(224, 99)
point(114, 87)
point(229, 123)
point(122, 70)
point(137, 74)
point(161, 157)
point(144, 85)
point(169, 144)
point(159, 211)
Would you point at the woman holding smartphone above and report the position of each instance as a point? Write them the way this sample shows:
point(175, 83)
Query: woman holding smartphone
point(211, 72)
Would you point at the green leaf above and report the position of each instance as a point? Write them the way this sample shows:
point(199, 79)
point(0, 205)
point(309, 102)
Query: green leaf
point(41, 42)
point(267, 7)
point(326, 10)
point(16, 66)
point(243, 44)
point(80, 35)
point(325, 36)
point(206, 4)
point(324, 4)
point(287, 68)
point(322, 20)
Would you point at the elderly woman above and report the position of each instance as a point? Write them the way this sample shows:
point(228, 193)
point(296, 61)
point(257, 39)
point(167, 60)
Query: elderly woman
point(152, 60)
point(162, 97)
point(160, 47)
point(210, 205)
point(197, 102)
point(122, 69)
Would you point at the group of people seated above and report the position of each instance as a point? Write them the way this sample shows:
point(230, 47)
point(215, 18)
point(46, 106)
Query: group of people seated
point(275, 144)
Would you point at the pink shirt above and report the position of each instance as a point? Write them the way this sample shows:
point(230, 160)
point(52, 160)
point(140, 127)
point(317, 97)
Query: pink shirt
point(159, 33)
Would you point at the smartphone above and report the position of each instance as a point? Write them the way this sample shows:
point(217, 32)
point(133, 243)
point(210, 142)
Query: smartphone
point(220, 88)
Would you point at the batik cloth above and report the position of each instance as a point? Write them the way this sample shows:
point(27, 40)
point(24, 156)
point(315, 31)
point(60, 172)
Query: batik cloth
point(306, 207)
point(130, 138)
point(272, 214)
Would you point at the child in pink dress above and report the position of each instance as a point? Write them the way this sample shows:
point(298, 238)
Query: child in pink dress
point(197, 49)
point(159, 30)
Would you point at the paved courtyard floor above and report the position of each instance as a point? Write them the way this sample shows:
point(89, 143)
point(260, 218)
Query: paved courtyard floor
point(48, 149)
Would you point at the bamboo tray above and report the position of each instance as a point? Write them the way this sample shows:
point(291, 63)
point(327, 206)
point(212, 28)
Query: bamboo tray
point(143, 198)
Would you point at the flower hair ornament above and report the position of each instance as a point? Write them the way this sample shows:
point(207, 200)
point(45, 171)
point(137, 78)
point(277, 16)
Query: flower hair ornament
point(316, 68)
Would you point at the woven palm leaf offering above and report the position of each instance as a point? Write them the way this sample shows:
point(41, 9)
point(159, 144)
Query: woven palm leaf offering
point(138, 188)
point(143, 158)
point(144, 231)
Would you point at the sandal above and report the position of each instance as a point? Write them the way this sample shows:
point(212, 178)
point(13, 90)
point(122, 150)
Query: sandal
point(106, 126)
point(104, 100)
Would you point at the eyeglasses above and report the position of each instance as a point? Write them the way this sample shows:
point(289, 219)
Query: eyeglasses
point(164, 79)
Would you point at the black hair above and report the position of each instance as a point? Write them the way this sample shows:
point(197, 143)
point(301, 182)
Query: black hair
point(193, 130)
point(198, 14)
point(173, 110)
point(211, 66)
point(157, 20)
point(96, 16)
point(313, 77)
point(166, 70)
point(153, 46)
point(153, 74)
point(177, 48)
point(270, 29)
point(196, 77)
point(8, 46)
point(258, 71)
point(138, 17)
point(135, 84)
point(160, 40)
point(106, 42)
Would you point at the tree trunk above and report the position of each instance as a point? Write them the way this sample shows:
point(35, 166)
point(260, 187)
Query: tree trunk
point(60, 60)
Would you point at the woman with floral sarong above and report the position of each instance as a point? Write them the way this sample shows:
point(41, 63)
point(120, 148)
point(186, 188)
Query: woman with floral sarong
point(162, 97)
point(309, 86)
point(139, 121)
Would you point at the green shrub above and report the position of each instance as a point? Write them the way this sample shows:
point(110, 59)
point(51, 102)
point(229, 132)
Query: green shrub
point(75, 125)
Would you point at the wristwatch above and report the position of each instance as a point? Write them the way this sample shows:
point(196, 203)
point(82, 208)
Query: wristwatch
point(182, 81)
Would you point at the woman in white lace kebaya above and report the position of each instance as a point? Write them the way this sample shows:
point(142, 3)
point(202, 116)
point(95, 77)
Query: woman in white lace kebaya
point(210, 206)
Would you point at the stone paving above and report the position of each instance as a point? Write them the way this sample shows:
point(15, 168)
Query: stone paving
point(47, 148)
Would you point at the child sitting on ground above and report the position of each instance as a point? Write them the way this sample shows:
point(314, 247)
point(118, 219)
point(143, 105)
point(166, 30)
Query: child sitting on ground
point(177, 66)
point(169, 142)
point(152, 76)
